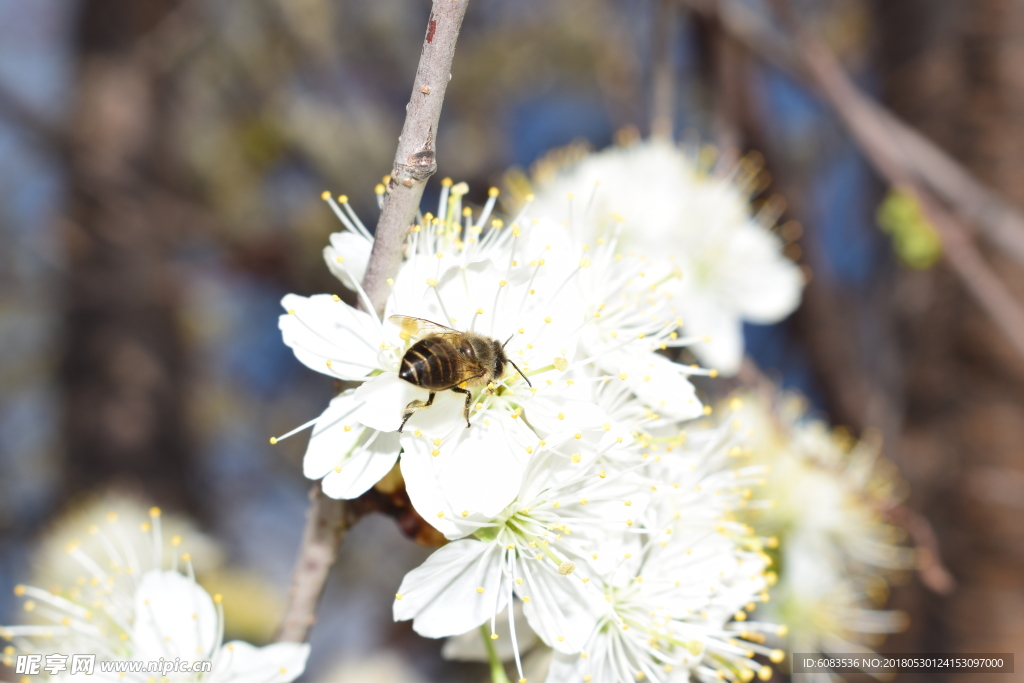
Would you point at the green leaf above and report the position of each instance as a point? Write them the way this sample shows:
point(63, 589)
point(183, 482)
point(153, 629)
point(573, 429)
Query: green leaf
point(915, 241)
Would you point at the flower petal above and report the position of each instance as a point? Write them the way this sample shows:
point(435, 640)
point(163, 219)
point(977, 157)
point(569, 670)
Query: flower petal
point(276, 663)
point(661, 384)
point(174, 617)
point(455, 590)
point(384, 399)
point(330, 336)
point(372, 458)
point(477, 471)
point(347, 257)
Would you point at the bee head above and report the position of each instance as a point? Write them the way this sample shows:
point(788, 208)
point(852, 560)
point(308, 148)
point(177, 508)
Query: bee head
point(500, 358)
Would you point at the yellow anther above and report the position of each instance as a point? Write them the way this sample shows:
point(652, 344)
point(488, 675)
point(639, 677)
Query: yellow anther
point(342, 199)
point(175, 540)
point(577, 435)
point(335, 298)
point(561, 364)
point(465, 513)
point(435, 452)
point(479, 589)
point(602, 474)
point(566, 568)
point(576, 457)
point(325, 195)
point(584, 262)
point(398, 596)
point(379, 188)
point(440, 514)
point(494, 636)
point(547, 319)
point(154, 512)
point(777, 656)
point(493, 192)
point(708, 410)
point(623, 375)
point(432, 282)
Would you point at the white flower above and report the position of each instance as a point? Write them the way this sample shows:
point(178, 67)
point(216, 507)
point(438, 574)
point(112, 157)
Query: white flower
point(543, 548)
point(127, 606)
point(835, 549)
point(494, 282)
point(664, 203)
point(688, 575)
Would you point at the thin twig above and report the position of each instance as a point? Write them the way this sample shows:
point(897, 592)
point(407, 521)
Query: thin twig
point(876, 142)
point(415, 159)
point(663, 97)
point(328, 520)
point(996, 218)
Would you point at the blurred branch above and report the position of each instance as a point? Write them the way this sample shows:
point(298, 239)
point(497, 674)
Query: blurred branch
point(327, 520)
point(664, 77)
point(1000, 222)
point(877, 143)
point(930, 568)
point(806, 55)
point(415, 159)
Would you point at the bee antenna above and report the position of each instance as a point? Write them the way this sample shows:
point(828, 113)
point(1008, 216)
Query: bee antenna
point(507, 341)
point(520, 371)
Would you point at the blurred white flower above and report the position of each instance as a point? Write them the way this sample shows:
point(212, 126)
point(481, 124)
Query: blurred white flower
point(125, 605)
point(835, 549)
point(660, 201)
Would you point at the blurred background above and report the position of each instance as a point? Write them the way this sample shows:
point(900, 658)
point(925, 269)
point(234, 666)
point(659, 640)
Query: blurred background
point(161, 164)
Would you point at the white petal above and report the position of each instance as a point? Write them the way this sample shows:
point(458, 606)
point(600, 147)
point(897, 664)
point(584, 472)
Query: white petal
point(477, 471)
point(725, 329)
point(319, 329)
point(443, 595)
point(661, 384)
point(763, 285)
point(174, 617)
point(470, 647)
point(385, 398)
point(239, 661)
point(560, 609)
point(367, 465)
point(334, 435)
point(353, 250)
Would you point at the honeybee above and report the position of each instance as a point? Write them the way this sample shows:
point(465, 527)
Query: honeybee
point(446, 359)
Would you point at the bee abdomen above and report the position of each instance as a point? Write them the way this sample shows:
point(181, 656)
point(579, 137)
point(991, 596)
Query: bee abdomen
point(431, 364)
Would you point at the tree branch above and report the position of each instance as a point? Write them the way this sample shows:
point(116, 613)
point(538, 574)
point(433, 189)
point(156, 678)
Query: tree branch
point(663, 97)
point(415, 158)
point(327, 520)
point(996, 218)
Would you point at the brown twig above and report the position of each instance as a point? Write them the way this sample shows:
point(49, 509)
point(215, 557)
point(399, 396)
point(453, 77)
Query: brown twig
point(663, 97)
point(328, 520)
point(876, 141)
point(996, 218)
point(415, 159)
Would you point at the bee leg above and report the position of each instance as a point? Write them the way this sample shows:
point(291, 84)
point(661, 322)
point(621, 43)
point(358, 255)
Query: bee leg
point(413, 407)
point(469, 398)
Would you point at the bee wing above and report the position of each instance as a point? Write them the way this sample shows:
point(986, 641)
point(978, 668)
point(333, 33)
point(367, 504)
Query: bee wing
point(418, 327)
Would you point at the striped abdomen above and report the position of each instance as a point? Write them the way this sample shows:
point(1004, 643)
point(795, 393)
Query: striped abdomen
point(434, 363)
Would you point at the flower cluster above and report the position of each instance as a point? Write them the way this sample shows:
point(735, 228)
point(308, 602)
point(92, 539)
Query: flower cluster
point(830, 492)
point(670, 202)
point(129, 602)
point(521, 373)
